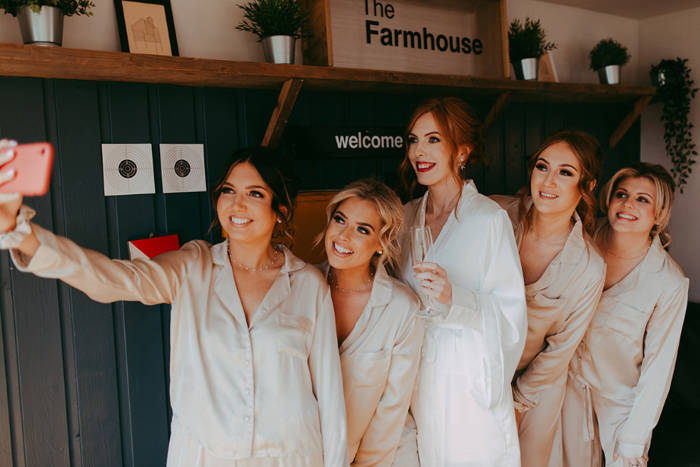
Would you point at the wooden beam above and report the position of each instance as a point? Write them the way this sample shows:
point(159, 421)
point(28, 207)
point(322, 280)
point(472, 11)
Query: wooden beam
point(629, 120)
point(317, 47)
point(285, 104)
point(495, 112)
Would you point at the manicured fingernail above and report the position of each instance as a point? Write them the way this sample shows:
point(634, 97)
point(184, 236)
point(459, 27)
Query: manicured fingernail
point(10, 173)
point(12, 143)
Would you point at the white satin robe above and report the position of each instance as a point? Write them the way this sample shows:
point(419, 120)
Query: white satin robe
point(463, 403)
point(379, 360)
point(621, 372)
point(267, 394)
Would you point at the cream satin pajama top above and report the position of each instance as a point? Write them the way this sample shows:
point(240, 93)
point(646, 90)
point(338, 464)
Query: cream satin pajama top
point(379, 360)
point(625, 362)
point(266, 394)
point(463, 404)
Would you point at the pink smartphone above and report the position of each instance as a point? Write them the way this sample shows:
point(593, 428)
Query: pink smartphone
point(33, 164)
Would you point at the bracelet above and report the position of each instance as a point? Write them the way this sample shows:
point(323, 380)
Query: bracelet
point(14, 238)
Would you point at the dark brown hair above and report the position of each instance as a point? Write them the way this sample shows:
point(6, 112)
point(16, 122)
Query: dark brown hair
point(277, 172)
point(590, 157)
point(460, 130)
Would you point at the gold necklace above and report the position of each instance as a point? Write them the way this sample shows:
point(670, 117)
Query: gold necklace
point(621, 257)
point(550, 239)
point(332, 282)
point(261, 268)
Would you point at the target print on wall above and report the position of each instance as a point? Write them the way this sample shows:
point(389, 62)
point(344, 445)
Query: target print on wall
point(128, 169)
point(182, 167)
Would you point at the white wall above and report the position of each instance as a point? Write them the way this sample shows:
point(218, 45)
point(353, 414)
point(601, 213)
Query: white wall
point(667, 37)
point(576, 32)
point(204, 29)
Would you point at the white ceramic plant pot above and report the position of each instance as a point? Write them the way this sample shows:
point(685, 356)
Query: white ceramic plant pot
point(279, 49)
point(527, 69)
point(611, 74)
point(42, 28)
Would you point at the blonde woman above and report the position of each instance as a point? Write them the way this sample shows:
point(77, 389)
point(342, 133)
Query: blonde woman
point(255, 377)
point(553, 217)
point(463, 403)
point(621, 372)
point(379, 335)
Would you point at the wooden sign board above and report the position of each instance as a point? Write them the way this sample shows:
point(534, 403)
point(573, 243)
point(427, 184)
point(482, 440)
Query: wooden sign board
point(451, 37)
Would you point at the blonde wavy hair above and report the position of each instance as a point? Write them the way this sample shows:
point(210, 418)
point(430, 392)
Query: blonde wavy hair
point(390, 210)
point(663, 199)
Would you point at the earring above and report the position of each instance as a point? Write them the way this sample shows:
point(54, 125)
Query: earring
point(461, 164)
point(380, 252)
point(279, 221)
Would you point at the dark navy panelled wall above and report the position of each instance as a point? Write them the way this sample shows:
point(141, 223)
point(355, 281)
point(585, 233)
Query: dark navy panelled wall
point(84, 383)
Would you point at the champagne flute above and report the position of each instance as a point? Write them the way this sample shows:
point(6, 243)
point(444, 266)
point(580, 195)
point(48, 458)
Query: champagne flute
point(423, 252)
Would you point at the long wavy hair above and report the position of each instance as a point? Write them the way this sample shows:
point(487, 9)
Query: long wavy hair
point(390, 210)
point(590, 157)
point(665, 186)
point(460, 130)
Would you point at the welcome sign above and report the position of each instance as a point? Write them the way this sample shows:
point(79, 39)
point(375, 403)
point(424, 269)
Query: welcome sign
point(347, 141)
point(457, 37)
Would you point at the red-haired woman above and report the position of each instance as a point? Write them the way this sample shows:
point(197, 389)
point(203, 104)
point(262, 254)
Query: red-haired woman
point(462, 403)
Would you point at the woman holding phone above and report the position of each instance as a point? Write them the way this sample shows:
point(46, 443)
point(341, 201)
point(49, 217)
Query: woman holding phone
point(553, 217)
point(621, 372)
point(254, 373)
point(379, 334)
point(462, 404)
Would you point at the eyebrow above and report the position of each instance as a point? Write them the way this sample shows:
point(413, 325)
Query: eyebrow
point(363, 224)
point(249, 187)
point(540, 158)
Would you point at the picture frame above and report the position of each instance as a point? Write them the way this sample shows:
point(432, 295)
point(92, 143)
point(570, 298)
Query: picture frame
point(146, 27)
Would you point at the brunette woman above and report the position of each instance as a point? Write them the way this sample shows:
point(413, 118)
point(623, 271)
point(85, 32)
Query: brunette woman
point(553, 217)
point(255, 375)
point(379, 334)
point(621, 372)
point(462, 404)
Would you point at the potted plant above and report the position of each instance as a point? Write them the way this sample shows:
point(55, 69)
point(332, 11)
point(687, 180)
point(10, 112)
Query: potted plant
point(277, 23)
point(676, 91)
point(41, 21)
point(526, 44)
point(607, 58)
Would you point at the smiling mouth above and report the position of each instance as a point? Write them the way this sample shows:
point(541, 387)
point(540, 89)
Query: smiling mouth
point(343, 251)
point(548, 195)
point(424, 166)
point(240, 220)
point(626, 217)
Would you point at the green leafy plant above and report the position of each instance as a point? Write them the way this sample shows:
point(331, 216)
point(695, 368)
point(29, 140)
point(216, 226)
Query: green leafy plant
point(608, 52)
point(527, 40)
point(69, 7)
point(676, 91)
point(266, 18)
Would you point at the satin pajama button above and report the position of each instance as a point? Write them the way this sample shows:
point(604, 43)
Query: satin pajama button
point(247, 419)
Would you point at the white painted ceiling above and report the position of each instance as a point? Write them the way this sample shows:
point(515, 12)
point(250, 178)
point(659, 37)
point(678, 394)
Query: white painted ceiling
point(636, 9)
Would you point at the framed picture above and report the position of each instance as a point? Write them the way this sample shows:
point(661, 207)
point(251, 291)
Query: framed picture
point(146, 27)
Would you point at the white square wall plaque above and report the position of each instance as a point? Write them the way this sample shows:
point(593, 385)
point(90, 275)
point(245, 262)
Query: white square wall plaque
point(182, 167)
point(128, 169)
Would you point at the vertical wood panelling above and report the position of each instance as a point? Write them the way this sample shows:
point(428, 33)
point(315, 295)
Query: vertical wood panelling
point(85, 221)
point(86, 384)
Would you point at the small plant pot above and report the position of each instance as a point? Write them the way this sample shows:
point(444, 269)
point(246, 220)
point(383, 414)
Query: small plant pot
point(526, 69)
point(44, 28)
point(611, 74)
point(279, 49)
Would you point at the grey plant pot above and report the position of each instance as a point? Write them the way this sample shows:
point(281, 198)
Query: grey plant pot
point(611, 74)
point(526, 69)
point(279, 49)
point(43, 28)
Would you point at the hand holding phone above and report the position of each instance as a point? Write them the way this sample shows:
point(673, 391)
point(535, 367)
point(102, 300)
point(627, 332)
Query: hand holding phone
point(32, 165)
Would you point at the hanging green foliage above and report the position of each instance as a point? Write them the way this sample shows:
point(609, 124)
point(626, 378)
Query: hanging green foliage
point(676, 91)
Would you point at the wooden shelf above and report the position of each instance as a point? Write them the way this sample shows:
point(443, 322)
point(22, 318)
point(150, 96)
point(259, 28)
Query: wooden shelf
point(56, 62)
point(63, 63)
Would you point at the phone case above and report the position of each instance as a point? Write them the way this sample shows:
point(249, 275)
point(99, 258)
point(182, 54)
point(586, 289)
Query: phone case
point(32, 164)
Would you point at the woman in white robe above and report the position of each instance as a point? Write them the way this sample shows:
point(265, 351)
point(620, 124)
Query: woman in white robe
point(462, 404)
point(621, 372)
point(379, 333)
point(255, 375)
